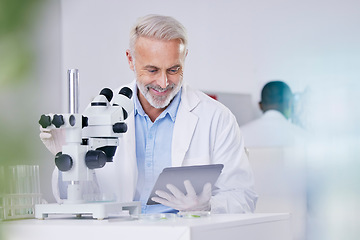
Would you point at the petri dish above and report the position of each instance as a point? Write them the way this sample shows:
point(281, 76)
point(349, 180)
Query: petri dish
point(158, 217)
point(194, 214)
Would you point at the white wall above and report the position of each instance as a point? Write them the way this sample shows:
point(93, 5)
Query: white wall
point(47, 73)
point(235, 46)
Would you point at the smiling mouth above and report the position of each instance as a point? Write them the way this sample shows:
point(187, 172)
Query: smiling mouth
point(160, 91)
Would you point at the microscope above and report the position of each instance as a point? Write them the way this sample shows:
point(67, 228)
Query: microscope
point(91, 140)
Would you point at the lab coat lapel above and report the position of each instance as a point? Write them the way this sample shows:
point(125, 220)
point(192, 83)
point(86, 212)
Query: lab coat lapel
point(184, 127)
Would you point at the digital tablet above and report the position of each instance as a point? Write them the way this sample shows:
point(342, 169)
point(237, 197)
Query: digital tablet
point(198, 175)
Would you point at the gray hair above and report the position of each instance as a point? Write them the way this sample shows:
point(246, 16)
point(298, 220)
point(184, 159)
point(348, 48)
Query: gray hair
point(158, 27)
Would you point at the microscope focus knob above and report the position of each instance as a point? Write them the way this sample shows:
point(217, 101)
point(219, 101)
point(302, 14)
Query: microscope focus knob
point(63, 162)
point(95, 159)
point(84, 121)
point(58, 120)
point(120, 127)
point(45, 121)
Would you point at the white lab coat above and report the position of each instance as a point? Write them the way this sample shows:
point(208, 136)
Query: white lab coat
point(272, 129)
point(205, 132)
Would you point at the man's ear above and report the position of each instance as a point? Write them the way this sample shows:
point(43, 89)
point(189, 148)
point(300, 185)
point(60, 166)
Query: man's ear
point(261, 107)
point(130, 59)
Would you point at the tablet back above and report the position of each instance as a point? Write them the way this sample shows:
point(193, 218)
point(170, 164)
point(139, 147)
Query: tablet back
point(198, 175)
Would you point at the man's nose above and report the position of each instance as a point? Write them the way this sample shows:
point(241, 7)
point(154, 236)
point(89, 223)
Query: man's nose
point(162, 80)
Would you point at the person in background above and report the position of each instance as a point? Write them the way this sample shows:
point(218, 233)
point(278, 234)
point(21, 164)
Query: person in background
point(274, 128)
point(172, 125)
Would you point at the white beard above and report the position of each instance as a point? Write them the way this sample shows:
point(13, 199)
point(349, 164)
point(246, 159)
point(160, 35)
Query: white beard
point(159, 101)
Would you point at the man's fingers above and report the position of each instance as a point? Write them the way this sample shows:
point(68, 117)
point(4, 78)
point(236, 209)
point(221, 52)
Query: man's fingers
point(207, 188)
point(45, 135)
point(159, 200)
point(204, 198)
point(189, 188)
point(164, 202)
point(175, 191)
point(206, 193)
point(164, 195)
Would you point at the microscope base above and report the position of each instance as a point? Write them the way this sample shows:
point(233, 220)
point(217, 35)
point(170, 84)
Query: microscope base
point(98, 210)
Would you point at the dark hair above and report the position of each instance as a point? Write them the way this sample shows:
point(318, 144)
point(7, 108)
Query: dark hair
point(276, 93)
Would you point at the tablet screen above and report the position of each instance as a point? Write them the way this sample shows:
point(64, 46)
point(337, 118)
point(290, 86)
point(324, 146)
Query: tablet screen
point(198, 175)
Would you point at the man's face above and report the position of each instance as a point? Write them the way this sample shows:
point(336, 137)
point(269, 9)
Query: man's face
point(158, 67)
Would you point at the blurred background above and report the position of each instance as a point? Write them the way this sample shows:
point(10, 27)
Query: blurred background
point(235, 47)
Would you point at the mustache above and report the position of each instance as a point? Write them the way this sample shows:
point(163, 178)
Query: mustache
point(160, 89)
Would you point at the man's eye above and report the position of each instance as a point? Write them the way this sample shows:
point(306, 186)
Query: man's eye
point(152, 70)
point(173, 70)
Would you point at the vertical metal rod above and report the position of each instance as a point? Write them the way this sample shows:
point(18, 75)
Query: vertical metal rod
point(73, 77)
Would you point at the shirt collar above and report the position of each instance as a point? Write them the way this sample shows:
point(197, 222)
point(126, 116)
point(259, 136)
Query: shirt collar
point(171, 109)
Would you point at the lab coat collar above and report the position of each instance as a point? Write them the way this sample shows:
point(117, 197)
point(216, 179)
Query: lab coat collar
point(185, 125)
point(189, 99)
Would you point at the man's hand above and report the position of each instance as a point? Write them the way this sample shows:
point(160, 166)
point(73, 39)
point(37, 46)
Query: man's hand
point(52, 139)
point(189, 202)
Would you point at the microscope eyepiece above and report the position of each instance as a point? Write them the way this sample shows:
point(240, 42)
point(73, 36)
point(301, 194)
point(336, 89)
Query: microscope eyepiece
point(126, 92)
point(108, 93)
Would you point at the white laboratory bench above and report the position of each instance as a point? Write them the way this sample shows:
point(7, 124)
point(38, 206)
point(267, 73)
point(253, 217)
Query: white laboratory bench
point(230, 226)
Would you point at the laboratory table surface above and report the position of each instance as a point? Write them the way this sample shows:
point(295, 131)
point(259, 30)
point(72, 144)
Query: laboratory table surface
point(216, 226)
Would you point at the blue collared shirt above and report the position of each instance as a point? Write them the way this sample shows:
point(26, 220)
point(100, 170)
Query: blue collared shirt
point(153, 150)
